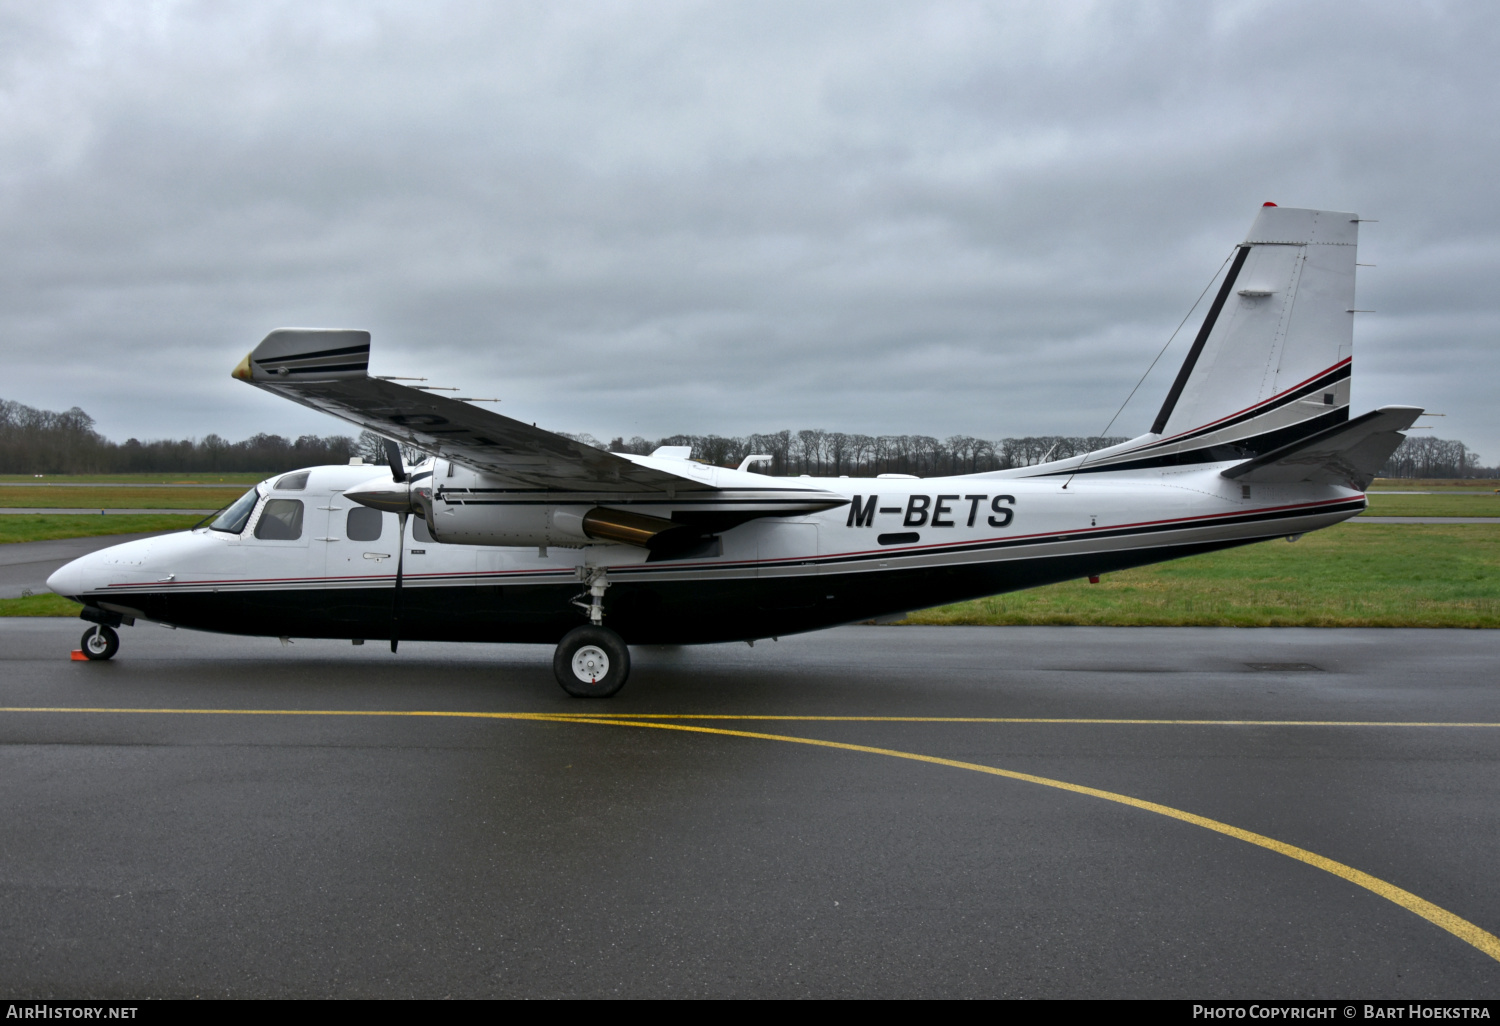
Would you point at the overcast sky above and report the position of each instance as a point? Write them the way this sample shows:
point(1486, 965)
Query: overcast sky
point(649, 218)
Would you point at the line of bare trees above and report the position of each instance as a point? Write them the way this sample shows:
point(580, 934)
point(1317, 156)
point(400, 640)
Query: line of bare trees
point(1435, 457)
point(36, 441)
point(831, 453)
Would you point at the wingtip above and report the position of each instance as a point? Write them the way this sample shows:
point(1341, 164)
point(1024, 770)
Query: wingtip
point(242, 369)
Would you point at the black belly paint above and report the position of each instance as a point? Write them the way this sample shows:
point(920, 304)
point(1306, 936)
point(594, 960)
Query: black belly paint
point(641, 612)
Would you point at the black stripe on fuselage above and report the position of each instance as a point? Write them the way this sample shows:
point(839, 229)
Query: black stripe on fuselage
point(1317, 384)
point(1291, 395)
point(1223, 452)
point(1351, 506)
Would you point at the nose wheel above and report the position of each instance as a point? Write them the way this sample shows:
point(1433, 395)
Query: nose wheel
point(100, 643)
point(591, 662)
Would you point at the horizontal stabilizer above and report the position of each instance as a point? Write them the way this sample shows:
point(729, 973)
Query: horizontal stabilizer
point(1349, 454)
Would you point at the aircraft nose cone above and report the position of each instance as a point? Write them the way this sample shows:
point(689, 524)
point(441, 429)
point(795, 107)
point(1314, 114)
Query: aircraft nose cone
point(382, 494)
point(69, 579)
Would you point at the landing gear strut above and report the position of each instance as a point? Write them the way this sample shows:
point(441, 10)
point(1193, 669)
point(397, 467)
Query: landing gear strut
point(592, 661)
point(100, 642)
point(596, 580)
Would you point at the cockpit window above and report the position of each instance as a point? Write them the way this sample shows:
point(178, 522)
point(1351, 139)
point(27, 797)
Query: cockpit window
point(281, 520)
point(234, 518)
point(293, 482)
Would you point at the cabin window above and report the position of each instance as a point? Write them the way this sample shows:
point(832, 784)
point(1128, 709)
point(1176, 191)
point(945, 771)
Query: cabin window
point(419, 531)
point(293, 482)
point(365, 524)
point(233, 519)
point(281, 520)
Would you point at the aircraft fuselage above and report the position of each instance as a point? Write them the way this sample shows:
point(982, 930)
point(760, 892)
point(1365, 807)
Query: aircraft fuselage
point(899, 544)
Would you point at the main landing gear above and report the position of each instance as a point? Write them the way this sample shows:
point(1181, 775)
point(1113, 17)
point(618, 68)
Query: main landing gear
point(591, 661)
point(100, 642)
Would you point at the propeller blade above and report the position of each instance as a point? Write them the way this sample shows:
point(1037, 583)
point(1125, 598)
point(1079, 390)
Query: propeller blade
point(393, 457)
point(396, 596)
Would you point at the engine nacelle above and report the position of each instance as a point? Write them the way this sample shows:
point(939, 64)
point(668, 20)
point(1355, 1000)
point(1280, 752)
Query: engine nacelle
point(560, 526)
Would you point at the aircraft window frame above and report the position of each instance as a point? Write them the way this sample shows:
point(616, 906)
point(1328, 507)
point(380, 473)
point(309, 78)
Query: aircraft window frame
point(363, 513)
point(295, 482)
point(268, 517)
point(242, 513)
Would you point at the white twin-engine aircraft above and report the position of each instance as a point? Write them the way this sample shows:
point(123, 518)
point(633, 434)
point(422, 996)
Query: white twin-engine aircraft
point(509, 533)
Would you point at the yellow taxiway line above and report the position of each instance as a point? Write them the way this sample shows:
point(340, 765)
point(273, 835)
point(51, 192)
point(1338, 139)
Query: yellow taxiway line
point(1459, 927)
point(749, 717)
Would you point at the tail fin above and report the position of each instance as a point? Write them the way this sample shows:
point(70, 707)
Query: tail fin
point(1271, 362)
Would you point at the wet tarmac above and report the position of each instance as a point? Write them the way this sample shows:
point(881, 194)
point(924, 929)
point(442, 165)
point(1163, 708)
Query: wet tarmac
point(869, 811)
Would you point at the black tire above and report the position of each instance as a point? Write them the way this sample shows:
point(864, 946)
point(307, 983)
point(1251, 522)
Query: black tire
point(100, 643)
point(586, 648)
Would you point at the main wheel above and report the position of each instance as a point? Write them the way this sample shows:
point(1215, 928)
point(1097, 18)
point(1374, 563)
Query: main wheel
point(591, 662)
point(100, 642)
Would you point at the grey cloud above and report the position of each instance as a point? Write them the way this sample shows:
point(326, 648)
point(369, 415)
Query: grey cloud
point(650, 218)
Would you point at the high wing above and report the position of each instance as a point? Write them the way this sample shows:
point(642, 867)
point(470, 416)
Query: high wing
point(1348, 454)
point(327, 369)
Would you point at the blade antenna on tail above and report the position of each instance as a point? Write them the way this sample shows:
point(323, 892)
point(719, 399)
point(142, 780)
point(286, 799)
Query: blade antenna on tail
point(1159, 355)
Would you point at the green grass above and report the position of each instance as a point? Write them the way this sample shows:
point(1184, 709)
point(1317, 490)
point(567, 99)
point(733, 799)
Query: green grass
point(1438, 484)
point(1371, 575)
point(246, 479)
point(39, 605)
point(27, 527)
point(1479, 504)
point(120, 498)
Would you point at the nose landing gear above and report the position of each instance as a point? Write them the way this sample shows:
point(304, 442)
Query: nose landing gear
point(99, 643)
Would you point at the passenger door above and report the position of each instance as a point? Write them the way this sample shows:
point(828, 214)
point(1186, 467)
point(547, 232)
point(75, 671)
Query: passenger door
point(361, 546)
